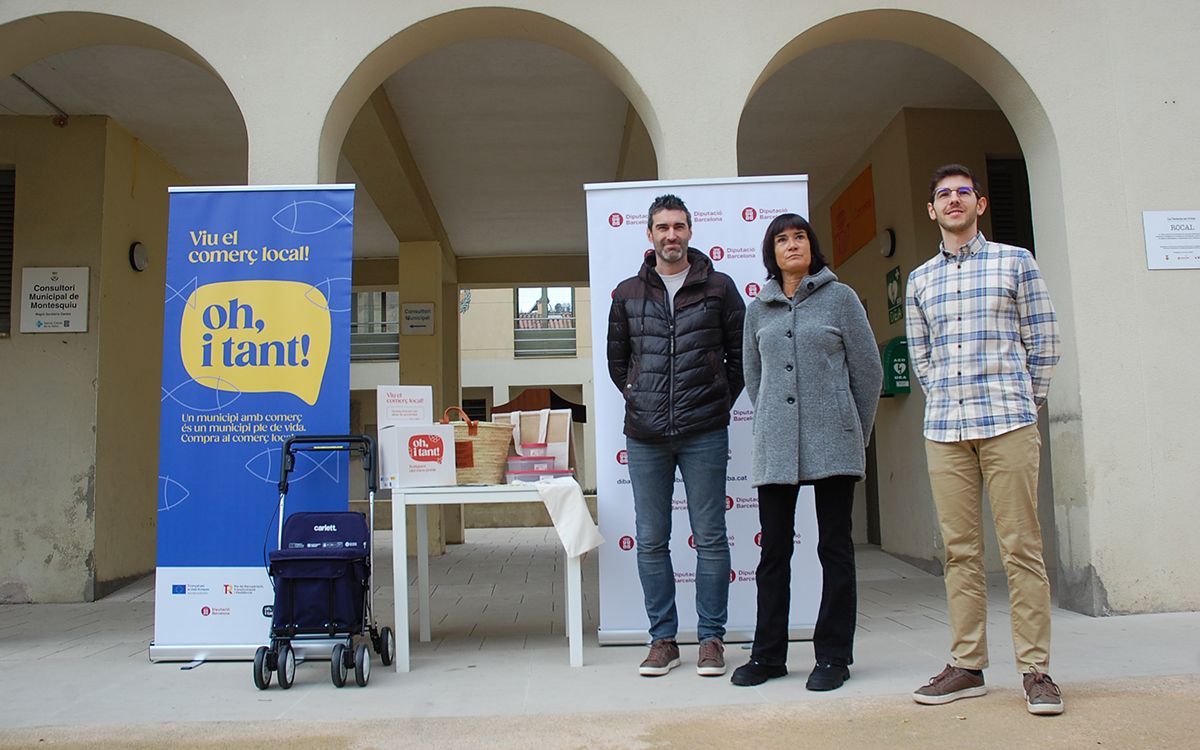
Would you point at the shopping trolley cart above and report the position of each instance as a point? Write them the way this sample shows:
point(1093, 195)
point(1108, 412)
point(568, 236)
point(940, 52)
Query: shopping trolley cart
point(322, 577)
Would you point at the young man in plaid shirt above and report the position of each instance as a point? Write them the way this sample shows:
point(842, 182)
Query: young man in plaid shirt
point(984, 342)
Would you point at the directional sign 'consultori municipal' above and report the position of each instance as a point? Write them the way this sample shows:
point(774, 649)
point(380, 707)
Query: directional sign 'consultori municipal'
point(54, 300)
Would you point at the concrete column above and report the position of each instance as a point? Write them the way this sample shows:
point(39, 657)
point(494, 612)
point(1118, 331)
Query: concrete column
point(420, 282)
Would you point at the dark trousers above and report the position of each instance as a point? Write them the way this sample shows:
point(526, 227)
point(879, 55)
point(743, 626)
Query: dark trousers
point(833, 641)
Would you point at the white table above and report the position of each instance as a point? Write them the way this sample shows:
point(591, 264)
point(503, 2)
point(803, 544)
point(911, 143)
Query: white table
point(421, 498)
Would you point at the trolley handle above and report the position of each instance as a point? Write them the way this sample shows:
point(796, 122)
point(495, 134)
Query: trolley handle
point(360, 444)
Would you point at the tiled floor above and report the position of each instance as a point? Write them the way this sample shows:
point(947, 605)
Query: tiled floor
point(498, 648)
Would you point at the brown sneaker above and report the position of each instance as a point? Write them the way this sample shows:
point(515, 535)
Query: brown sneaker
point(663, 657)
point(953, 683)
point(712, 658)
point(1042, 696)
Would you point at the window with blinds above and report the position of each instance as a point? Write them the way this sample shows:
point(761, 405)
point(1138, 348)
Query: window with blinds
point(375, 326)
point(1008, 203)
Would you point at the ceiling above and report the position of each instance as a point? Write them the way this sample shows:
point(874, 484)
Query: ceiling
point(821, 111)
point(177, 109)
point(497, 137)
point(505, 134)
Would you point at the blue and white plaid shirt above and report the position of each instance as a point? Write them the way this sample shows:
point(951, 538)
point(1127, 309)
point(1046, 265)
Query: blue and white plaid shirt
point(983, 340)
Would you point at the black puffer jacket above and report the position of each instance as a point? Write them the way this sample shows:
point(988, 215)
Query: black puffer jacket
point(680, 375)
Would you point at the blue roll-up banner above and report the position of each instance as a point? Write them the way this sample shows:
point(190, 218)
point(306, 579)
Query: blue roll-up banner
point(256, 348)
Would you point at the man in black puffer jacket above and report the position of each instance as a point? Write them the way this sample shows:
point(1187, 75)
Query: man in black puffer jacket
point(675, 351)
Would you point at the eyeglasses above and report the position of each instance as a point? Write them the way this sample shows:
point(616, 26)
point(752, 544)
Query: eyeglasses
point(962, 192)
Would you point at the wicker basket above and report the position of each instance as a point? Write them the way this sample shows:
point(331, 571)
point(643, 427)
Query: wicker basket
point(480, 448)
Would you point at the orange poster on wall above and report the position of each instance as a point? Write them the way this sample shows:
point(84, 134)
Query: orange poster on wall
point(852, 216)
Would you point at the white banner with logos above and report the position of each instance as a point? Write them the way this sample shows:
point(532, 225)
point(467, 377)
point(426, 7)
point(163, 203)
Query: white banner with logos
point(228, 605)
point(729, 217)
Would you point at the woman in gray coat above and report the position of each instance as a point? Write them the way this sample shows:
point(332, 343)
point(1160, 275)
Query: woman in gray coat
point(813, 374)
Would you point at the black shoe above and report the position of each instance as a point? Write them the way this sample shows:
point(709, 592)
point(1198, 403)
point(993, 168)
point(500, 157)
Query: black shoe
point(827, 676)
point(754, 673)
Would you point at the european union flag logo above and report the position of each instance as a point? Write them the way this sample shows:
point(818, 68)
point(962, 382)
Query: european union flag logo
point(178, 588)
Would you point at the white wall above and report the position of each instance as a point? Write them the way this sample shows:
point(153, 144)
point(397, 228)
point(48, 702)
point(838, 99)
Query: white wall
point(369, 375)
point(48, 400)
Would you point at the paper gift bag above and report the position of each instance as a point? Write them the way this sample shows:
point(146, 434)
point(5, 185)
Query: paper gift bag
point(549, 426)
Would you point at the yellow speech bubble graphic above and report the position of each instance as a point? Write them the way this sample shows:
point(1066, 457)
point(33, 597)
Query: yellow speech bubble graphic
point(257, 337)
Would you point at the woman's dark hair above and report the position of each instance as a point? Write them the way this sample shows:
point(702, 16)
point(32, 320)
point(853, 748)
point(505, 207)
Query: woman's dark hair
point(780, 224)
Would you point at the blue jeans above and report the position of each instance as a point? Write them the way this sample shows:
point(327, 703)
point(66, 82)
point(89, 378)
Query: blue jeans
point(701, 460)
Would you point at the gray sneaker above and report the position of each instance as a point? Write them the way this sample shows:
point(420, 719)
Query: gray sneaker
point(953, 683)
point(663, 657)
point(1042, 696)
point(712, 658)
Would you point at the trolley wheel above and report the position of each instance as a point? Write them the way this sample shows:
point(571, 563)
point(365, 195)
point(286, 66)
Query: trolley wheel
point(337, 665)
point(387, 650)
point(262, 668)
point(287, 666)
point(362, 664)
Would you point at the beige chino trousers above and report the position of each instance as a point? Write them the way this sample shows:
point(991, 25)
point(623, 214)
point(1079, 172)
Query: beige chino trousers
point(1008, 463)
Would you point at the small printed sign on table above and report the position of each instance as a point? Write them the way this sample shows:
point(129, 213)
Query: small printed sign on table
point(397, 406)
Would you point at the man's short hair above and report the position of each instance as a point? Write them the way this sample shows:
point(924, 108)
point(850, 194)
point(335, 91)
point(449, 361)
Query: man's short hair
point(952, 170)
point(667, 202)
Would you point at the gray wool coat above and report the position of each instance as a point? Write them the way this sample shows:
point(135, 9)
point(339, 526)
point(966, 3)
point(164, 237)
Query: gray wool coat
point(813, 374)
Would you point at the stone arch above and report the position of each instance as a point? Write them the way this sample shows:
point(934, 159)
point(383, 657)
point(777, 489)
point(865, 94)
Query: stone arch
point(1019, 102)
point(33, 38)
point(464, 25)
point(982, 62)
